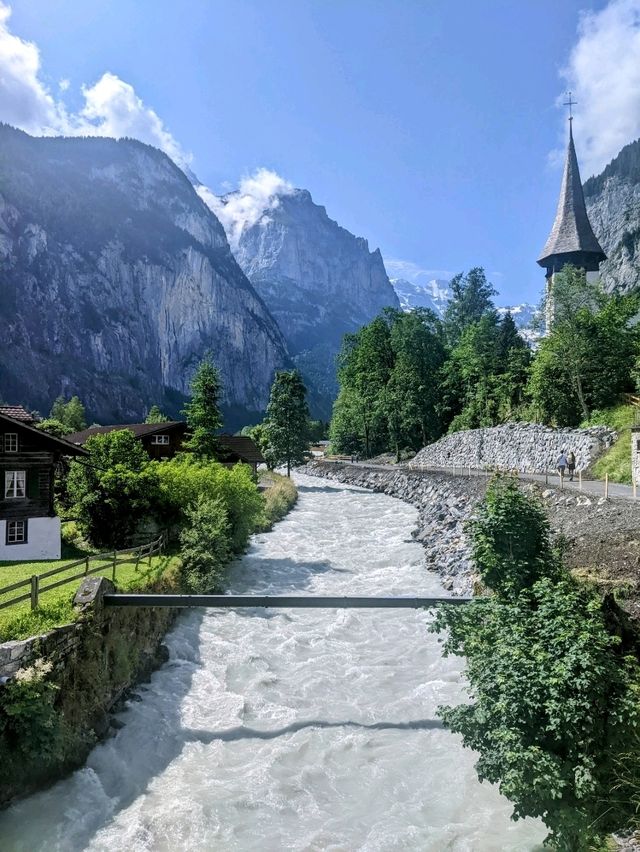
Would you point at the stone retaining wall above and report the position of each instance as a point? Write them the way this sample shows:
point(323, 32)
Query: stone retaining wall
point(92, 664)
point(527, 447)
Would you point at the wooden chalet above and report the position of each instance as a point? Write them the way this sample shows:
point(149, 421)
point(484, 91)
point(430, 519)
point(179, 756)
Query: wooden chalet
point(160, 440)
point(29, 528)
point(164, 440)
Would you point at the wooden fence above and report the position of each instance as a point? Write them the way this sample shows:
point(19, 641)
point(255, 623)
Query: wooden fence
point(108, 561)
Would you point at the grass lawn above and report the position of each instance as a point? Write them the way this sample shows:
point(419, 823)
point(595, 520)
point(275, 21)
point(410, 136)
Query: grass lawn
point(56, 608)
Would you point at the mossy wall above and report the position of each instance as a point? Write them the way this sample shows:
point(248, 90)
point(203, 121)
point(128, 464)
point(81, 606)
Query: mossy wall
point(56, 690)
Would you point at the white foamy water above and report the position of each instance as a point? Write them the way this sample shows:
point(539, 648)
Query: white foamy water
point(298, 730)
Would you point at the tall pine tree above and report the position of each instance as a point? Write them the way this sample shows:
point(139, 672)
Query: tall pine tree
point(204, 419)
point(287, 421)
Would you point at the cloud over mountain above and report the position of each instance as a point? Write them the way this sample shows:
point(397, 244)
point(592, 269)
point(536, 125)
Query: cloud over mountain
point(256, 194)
point(604, 73)
point(111, 106)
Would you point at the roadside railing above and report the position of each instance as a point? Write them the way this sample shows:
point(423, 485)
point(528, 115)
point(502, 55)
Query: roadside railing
point(107, 561)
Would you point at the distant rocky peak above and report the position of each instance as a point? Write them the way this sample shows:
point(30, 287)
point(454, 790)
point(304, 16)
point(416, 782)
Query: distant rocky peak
point(255, 197)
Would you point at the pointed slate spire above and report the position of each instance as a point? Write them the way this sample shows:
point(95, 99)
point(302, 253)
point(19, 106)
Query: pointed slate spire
point(571, 239)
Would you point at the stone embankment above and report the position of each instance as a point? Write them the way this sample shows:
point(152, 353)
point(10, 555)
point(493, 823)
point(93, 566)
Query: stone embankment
point(91, 664)
point(527, 447)
point(601, 538)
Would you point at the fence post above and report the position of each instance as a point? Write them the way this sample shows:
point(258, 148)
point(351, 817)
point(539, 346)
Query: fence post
point(635, 490)
point(606, 486)
point(35, 588)
point(86, 566)
point(546, 477)
point(113, 573)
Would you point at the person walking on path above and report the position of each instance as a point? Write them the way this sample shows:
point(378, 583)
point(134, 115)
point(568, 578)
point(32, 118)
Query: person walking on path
point(571, 464)
point(562, 464)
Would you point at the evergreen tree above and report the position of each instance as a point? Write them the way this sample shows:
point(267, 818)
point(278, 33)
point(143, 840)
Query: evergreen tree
point(204, 419)
point(71, 414)
point(156, 416)
point(471, 300)
point(287, 421)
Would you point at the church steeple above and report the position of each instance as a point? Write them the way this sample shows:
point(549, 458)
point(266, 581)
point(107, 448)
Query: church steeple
point(571, 239)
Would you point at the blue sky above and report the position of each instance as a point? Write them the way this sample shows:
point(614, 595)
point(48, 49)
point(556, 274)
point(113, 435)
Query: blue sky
point(427, 127)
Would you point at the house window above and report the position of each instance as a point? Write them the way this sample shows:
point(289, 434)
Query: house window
point(11, 442)
point(160, 439)
point(16, 532)
point(15, 484)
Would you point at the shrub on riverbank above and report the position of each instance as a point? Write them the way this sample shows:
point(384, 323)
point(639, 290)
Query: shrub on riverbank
point(185, 479)
point(205, 546)
point(280, 496)
point(554, 691)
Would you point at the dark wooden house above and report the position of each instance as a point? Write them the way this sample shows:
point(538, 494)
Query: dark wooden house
point(29, 528)
point(160, 440)
point(164, 440)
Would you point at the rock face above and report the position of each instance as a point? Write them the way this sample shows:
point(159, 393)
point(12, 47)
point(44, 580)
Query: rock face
point(116, 278)
point(613, 205)
point(526, 447)
point(317, 279)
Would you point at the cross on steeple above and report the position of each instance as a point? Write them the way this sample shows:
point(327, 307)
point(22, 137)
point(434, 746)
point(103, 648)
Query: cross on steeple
point(570, 103)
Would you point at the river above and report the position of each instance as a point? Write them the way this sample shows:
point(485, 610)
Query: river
point(290, 730)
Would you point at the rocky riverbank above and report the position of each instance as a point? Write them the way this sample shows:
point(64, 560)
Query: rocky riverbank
point(601, 537)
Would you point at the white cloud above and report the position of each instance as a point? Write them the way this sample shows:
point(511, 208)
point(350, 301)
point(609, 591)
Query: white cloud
point(256, 195)
point(24, 99)
point(603, 72)
point(413, 272)
point(111, 106)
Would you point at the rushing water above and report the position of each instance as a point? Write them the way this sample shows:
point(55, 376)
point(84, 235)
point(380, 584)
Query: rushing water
point(297, 730)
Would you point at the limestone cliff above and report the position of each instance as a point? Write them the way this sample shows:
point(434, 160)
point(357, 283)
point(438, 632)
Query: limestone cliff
point(317, 279)
point(613, 205)
point(115, 278)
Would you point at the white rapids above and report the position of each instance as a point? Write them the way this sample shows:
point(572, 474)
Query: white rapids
point(290, 730)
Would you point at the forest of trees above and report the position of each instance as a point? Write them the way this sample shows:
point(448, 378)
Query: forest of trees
point(407, 378)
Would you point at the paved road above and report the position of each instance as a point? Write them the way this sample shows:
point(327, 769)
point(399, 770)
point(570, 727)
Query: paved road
point(592, 487)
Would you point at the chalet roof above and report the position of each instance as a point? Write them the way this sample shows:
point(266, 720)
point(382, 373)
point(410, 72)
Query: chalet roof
point(17, 412)
point(572, 233)
point(243, 447)
point(57, 445)
point(140, 430)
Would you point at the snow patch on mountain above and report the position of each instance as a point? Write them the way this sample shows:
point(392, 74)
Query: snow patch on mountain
point(436, 295)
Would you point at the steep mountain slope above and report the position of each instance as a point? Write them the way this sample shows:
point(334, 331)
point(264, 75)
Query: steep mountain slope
point(613, 205)
point(115, 278)
point(317, 279)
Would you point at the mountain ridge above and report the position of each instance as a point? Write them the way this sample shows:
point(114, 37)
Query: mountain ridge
point(116, 278)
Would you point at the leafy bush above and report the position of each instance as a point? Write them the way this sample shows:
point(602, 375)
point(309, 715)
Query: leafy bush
point(554, 695)
point(205, 545)
point(113, 490)
point(30, 725)
point(511, 545)
point(184, 479)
